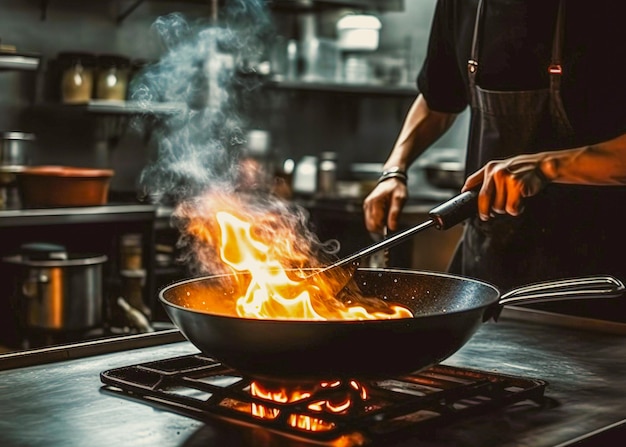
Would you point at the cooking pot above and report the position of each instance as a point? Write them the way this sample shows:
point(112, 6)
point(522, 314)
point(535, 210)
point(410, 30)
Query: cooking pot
point(446, 174)
point(58, 186)
point(14, 154)
point(444, 167)
point(14, 148)
point(56, 290)
point(447, 310)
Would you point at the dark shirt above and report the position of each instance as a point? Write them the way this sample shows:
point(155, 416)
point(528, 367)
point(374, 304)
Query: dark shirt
point(514, 54)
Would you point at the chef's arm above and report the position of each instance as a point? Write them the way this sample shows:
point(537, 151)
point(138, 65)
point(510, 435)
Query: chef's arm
point(505, 183)
point(421, 128)
point(596, 164)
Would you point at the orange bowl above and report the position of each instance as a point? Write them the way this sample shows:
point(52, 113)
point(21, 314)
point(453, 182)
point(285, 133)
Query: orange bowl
point(59, 186)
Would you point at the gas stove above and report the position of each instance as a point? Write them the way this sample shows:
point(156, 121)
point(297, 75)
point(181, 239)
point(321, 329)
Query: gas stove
point(338, 412)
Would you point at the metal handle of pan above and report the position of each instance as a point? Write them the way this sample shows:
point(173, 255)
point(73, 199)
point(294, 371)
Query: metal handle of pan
point(565, 289)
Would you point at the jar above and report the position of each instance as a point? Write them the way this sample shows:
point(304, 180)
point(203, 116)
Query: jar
point(305, 176)
point(112, 77)
point(77, 77)
point(131, 252)
point(327, 174)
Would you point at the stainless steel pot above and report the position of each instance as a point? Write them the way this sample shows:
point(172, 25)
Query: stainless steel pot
point(14, 157)
point(61, 292)
point(14, 148)
point(445, 174)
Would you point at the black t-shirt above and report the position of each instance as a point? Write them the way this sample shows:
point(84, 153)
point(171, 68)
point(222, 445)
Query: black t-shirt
point(514, 54)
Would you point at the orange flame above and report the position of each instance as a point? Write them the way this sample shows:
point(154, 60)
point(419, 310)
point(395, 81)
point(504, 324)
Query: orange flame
point(340, 405)
point(278, 258)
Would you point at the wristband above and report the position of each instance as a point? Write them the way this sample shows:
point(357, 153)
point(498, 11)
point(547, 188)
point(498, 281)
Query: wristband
point(393, 173)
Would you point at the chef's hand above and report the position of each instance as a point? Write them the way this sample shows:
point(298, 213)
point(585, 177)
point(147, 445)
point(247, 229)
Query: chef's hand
point(383, 205)
point(506, 183)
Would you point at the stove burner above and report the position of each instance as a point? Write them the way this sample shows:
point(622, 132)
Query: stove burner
point(201, 387)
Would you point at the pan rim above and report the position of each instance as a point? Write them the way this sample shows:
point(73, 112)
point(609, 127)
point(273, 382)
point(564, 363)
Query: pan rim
point(275, 321)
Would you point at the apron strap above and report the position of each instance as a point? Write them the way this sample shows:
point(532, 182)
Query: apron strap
point(555, 68)
point(472, 64)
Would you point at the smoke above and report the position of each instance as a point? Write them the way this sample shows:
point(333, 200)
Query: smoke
point(202, 68)
point(205, 67)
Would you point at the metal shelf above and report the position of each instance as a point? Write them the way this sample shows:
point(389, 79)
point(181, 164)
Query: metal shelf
point(127, 107)
point(308, 5)
point(16, 61)
point(338, 87)
point(79, 215)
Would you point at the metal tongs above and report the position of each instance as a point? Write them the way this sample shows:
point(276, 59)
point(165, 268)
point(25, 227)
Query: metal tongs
point(442, 217)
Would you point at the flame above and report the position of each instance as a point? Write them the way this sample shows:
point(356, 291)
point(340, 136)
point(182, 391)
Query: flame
point(341, 404)
point(279, 260)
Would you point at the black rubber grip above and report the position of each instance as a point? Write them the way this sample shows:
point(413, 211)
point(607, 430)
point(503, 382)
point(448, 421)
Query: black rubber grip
point(455, 210)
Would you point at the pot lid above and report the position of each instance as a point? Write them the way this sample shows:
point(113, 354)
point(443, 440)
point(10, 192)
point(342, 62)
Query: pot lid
point(73, 260)
point(43, 250)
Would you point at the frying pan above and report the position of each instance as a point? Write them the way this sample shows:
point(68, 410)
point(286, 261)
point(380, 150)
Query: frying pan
point(447, 310)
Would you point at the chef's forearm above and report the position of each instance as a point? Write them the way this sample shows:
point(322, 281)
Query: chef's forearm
point(598, 164)
point(421, 128)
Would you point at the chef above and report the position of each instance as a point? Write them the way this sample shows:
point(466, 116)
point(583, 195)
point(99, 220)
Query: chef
point(544, 80)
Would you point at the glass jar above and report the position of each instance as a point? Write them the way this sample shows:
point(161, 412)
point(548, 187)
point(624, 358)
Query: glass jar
point(112, 77)
point(77, 77)
point(327, 174)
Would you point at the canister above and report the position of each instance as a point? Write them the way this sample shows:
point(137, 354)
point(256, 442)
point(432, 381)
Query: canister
point(77, 76)
point(112, 77)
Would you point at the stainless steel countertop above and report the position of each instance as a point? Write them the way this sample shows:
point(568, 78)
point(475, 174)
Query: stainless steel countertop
point(60, 403)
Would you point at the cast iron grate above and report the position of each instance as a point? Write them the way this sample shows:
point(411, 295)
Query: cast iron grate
point(201, 387)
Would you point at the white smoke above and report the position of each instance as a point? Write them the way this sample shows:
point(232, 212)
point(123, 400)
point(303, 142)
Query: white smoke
point(201, 72)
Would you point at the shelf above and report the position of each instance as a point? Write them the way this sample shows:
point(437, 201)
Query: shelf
point(307, 5)
point(338, 87)
point(17, 61)
point(112, 107)
point(79, 215)
point(115, 107)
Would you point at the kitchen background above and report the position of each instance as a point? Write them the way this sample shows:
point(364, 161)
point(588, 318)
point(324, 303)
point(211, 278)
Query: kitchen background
point(350, 103)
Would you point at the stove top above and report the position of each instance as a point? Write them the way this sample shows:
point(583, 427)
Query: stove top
point(344, 411)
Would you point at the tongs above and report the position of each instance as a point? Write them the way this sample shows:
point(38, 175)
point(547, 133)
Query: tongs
point(442, 217)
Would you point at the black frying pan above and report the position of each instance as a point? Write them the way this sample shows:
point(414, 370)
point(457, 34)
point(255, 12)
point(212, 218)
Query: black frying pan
point(447, 311)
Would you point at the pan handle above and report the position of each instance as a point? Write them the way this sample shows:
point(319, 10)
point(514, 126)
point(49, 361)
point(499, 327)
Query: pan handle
point(565, 289)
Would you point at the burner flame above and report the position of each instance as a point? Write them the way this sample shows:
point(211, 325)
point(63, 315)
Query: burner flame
point(340, 403)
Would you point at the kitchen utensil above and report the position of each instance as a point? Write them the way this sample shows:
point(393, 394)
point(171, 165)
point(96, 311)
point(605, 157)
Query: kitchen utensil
point(15, 148)
point(446, 174)
point(447, 309)
point(56, 290)
point(443, 167)
point(57, 186)
point(442, 217)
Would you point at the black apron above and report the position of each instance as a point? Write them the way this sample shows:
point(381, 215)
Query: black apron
point(565, 230)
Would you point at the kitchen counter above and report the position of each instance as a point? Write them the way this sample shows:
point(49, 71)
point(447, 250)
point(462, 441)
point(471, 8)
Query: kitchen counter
point(113, 212)
point(61, 402)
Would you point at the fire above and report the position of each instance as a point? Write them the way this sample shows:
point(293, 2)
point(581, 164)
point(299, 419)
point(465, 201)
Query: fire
point(279, 259)
point(340, 403)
